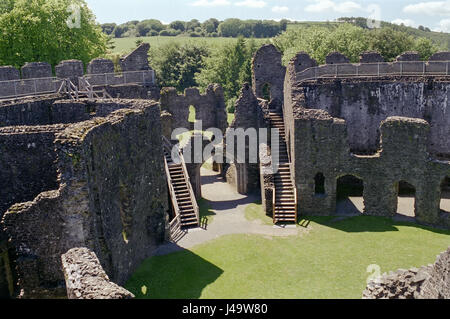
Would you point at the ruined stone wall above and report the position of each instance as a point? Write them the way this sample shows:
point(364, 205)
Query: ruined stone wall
point(364, 104)
point(328, 122)
point(246, 120)
point(86, 279)
point(321, 146)
point(210, 107)
point(112, 199)
point(53, 110)
point(428, 282)
point(27, 163)
point(367, 93)
point(268, 73)
point(37, 77)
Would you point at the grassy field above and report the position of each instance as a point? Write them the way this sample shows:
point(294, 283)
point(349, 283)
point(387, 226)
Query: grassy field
point(329, 261)
point(124, 45)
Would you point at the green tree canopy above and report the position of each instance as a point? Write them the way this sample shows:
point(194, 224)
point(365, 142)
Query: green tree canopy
point(176, 64)
point(230, 66)
point(37, 30)
point(145, 26)
point(177, 25)
point(351, 41)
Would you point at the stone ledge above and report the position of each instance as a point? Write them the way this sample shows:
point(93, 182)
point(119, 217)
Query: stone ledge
point(86, 279)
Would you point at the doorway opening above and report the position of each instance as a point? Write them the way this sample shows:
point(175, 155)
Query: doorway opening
point(349, 195)
point(406, 202)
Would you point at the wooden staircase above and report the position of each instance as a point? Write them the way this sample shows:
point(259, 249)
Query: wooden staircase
point(187, 213)
point(285, 192)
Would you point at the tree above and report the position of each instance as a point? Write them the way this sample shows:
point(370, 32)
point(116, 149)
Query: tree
point(426, 48)
point(191, 25)
point(177, 25)
point(120, 30)
point(46, 35)
point(211, 25)
point(229, 66)
point(176, 65)
point(6, 6)
point(108, 28)
point(145, 26)
point(390, 43)
point(351, 41)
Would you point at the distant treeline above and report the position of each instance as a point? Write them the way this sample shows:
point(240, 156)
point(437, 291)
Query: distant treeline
point(232, 28)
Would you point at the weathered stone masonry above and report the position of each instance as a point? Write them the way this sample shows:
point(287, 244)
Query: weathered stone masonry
point(136, 79)
point(428, 282)
point(111, 199)
point(86, 279)
point(398, 125)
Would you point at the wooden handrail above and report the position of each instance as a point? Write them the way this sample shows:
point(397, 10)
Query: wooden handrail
point(166, 144)
point(177, 219)
point(274, 204)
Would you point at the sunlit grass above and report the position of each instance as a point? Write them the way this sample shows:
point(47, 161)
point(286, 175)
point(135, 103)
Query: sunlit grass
point(256, 212)
point(329, 261)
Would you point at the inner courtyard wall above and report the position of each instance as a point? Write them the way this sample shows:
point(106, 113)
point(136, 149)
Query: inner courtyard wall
point(112, 199)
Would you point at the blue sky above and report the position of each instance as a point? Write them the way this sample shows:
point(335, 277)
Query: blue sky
point(433, 14)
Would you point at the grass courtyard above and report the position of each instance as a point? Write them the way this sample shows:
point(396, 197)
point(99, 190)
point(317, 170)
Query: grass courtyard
point(328, 260)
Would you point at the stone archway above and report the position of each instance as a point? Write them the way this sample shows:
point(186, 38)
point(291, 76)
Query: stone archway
point(234, 173)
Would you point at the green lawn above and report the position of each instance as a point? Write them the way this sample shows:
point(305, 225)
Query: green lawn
point(124, 45)
point(256, 212)
point(329, 261)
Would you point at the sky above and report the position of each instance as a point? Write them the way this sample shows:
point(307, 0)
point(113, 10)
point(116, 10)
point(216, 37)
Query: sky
point(432, 14)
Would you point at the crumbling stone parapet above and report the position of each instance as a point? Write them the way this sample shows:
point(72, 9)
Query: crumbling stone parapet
point(428, 282)
point(86, 279)
point(37, 70)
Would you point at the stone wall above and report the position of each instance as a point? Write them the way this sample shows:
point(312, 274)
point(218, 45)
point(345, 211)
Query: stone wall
point(136, 60)
point(268, 73)
point(37, 77)
point(328, 133)
point(9, 73)
point(210, 108)
point(86, 279)
point(52, 110)
point(27, 163)
point(112, 199)
point(428, 282)
point(365, 103)
point(37, 70)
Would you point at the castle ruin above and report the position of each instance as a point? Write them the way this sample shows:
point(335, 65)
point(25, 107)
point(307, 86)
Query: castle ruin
point(89, 188)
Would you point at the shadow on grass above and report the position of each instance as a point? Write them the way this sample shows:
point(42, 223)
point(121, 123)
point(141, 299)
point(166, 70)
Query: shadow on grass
point(178, 275)
point(206, 214)
point(360, 224)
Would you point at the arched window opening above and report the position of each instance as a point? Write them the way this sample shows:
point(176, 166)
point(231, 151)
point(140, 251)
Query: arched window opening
point(192, 114)
point(349, 195)
point(319, 184)
point(445, 195)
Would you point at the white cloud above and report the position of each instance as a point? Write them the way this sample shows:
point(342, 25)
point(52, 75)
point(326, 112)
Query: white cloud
point(433, 8)
point(210, 3)
point(444, 26)
point(280, 9)
point(407, 22)
point(251, 3)
point(321, 6)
